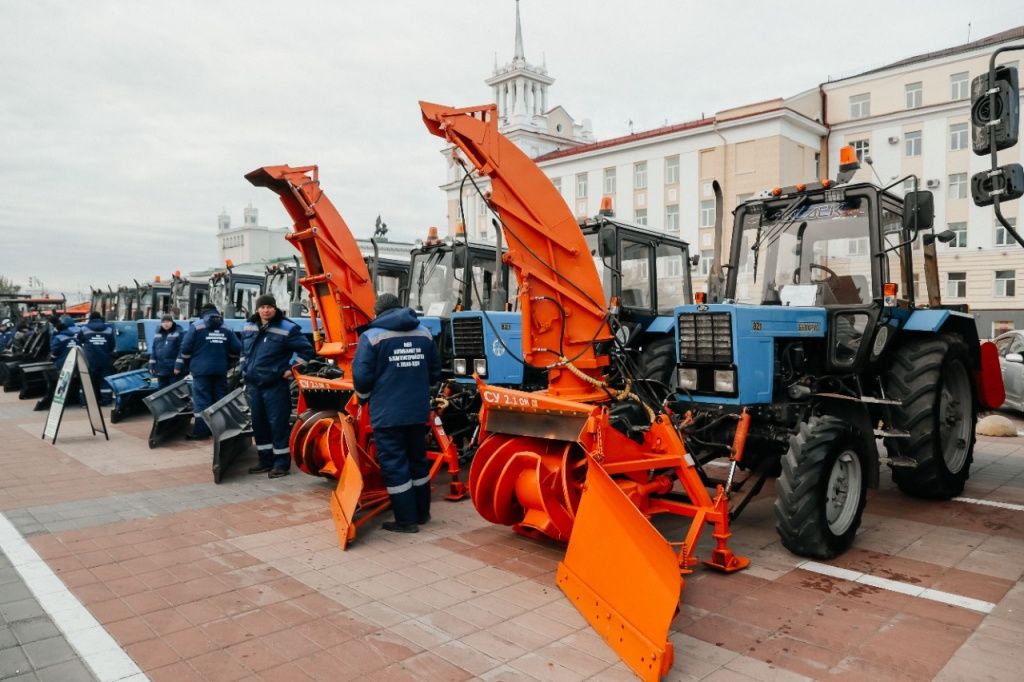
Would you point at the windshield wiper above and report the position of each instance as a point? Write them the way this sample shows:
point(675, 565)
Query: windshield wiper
point(426, 272)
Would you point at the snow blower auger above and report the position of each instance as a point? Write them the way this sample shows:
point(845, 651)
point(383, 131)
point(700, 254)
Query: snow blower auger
point(332, 435)
point(593, 457)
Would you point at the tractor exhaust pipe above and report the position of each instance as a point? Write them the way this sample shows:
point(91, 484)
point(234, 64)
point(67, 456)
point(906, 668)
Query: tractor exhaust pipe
point(716, 279)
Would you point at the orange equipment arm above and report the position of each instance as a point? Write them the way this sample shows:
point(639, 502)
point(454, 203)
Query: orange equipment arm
point(339, 284)
point(560, 293)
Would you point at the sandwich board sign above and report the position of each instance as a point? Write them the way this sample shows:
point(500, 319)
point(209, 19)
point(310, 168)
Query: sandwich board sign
point(74, 363)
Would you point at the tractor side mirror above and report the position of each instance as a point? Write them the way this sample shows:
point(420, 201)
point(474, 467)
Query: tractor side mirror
point(1000, 123)
point(1014, 357)
point(919, 205)
point(606, 242)
point(1005, 181)
point(946, 236)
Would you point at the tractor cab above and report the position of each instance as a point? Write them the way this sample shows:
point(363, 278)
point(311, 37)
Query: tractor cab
point(234, 293)
point(451, 283)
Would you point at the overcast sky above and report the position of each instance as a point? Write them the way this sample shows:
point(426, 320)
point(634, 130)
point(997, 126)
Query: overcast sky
point(126, 127)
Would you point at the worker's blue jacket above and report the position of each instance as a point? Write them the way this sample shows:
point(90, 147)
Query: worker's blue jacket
point(97, 340)
point(396, 362)
point(164, 353)
point(267, 349)
point(207, 346)
point(64, 340)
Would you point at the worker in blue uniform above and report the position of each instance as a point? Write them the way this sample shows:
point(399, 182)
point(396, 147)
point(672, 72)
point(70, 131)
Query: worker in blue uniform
point(207, 349)
point(270, 342)
point(6, 334)
point(395, 364)
point(65, 338)
point(164, 353)
point(97, 341)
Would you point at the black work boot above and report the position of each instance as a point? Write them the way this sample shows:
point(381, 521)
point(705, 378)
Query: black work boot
point(422, 493)
point(404, 506)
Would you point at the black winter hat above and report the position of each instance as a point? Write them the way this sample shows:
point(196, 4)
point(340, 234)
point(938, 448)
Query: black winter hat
point(207, 306)
point(385, 302)
point(169, 318)
point(266, 299)
point(95, 316)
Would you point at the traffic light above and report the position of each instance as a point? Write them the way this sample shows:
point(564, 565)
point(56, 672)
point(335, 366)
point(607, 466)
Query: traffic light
point(1006, 113)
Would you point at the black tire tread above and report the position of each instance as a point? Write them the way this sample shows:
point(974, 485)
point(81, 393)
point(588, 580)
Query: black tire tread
point(658, 360)
point(799, 520)
point(914, 378)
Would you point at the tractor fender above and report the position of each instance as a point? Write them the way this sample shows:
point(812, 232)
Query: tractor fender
point(951, 321)
point(858, 417)
point(988, 378)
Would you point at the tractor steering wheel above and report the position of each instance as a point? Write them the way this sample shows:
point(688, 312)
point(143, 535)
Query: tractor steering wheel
point(831, 275)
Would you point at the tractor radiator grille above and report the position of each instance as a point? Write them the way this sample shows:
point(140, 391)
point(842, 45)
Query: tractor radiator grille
point(468, 333)
point(705, 338)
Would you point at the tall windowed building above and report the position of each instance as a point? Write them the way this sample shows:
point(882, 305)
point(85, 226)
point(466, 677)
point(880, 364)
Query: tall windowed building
point(910, 117)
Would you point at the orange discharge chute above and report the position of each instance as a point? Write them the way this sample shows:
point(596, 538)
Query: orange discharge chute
point(550, 463)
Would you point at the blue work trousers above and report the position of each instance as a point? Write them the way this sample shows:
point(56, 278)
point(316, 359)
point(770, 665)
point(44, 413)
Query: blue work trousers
point(270, 406)
point(206, 390)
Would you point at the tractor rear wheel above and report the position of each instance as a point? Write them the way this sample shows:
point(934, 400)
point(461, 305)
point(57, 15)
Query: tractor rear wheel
point(932, 378)
point(658, 364)
point(821, 492)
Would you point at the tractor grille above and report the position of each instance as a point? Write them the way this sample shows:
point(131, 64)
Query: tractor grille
point(705, 338)
point(468, 333)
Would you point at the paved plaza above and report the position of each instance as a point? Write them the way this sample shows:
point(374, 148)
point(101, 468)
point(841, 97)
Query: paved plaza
point(118, 562)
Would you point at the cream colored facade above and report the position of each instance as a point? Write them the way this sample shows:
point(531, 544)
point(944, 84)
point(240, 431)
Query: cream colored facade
point(918, 122)
point(912, 116)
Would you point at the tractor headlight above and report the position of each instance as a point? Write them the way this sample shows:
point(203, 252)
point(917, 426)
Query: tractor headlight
point(725, 381)
point(688, 379)
point(480, 366)
point(460, 366)
point(142, 346)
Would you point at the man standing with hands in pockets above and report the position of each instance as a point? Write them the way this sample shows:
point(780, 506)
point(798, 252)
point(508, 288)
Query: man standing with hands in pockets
point(269, 341)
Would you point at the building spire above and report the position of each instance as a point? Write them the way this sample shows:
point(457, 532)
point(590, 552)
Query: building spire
point(519, 37)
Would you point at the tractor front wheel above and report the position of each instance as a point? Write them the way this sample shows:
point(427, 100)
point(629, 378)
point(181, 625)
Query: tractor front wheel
point(658, 364)
point(821, 492)
point(932, 378)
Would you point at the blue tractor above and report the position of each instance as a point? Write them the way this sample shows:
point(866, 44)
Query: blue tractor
point(816, 338)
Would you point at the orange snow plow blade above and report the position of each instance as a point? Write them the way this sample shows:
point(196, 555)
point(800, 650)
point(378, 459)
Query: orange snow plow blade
point(622, 576)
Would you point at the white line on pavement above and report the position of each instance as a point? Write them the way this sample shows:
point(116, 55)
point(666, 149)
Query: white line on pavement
point(991, 503)
point(897, 586)
point(83, 632)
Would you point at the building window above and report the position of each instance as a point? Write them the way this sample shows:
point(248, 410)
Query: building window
point(609, 181)
point(672, 218)
point(1003, 237)
point(1001, 327)
point(640, 216)
point(581, 186)
point(640, 175)
point(912, 143)
point(958, 186)
point(557, 182)
point(957, 137)
point(860, 105)
point(857, 247)
point(1006, 284)
point(862, 147)
point(961, 235)
point(707, 213)
point(959, 87)
point(956, 285)
point(914, 93)
point(671, 170)
point(705, 261)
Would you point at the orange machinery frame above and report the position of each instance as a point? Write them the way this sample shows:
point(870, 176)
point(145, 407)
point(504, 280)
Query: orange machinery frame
point(550, 463)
